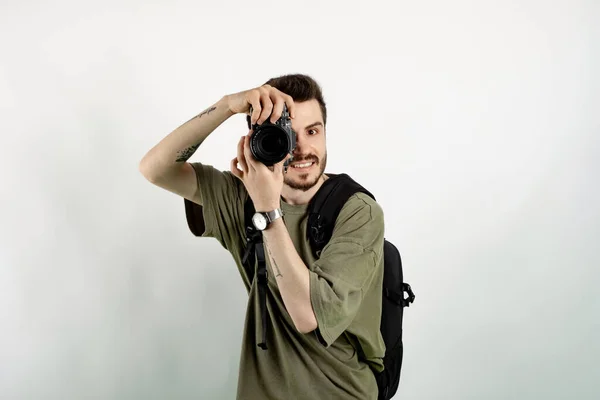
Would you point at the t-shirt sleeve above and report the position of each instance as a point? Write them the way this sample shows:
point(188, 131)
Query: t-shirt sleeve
point(220, 211)
point(346, 266)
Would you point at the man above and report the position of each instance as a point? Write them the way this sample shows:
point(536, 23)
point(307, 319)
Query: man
point(323, 332)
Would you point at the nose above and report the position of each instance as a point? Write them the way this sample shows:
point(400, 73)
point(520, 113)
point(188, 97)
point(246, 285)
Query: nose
point(300, 148)
point(300, 143)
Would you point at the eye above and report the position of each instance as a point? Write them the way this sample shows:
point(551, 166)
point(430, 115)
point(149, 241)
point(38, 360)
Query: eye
point(313, 132)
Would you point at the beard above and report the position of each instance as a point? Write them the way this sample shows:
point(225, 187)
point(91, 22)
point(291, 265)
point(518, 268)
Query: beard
point(303, 181)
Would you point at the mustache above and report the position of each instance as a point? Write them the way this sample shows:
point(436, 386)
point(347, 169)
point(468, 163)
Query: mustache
point(309, 157)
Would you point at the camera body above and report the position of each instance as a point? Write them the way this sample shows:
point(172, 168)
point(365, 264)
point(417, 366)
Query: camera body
point(272, 142)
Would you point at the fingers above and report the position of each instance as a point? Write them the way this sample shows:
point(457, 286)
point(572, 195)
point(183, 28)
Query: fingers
point(277, 97)
point(267, 101)
point(241, 158)
point(235, 170)
point(280, 166)
point(240, 154)
point(251, 163)
point(291, 106)
point(255, 108)
point(277, 108)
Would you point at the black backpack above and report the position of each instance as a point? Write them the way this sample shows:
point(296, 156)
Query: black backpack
point(323, 210)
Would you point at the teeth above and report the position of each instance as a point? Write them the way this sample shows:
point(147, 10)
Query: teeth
point(308, 164)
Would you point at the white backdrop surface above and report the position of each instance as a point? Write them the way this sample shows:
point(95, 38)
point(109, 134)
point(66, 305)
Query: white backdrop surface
point(474, 123)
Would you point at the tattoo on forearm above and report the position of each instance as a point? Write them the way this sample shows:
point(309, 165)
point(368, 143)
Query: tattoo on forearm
point(185, 154)
point(205, 112)
point(273, 261)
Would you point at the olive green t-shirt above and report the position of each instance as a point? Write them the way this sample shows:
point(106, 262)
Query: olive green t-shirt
point(337, 360)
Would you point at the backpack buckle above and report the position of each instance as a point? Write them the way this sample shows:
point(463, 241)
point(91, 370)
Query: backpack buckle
point(251, 234)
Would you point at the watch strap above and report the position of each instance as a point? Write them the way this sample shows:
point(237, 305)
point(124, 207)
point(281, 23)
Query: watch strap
point(273, 215)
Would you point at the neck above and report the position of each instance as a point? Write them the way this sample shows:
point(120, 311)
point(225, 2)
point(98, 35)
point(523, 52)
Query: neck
point(299, 197)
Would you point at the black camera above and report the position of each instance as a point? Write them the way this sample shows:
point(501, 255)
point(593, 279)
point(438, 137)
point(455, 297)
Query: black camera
point(272, 142)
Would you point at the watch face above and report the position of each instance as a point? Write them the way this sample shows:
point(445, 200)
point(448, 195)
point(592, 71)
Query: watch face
point(260, 222)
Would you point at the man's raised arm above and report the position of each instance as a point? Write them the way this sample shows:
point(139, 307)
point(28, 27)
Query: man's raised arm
point(166, 165)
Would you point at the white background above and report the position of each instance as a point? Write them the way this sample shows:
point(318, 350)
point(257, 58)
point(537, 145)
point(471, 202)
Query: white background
point(474, 123)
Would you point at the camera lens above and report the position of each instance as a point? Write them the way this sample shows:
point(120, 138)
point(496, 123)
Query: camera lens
point(270, 144)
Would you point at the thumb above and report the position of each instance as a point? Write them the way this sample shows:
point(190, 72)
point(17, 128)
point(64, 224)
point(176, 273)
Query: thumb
point(280, 166)
point(287, 159)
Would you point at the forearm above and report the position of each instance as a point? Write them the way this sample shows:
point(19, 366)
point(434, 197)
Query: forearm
point(177, 147)
point(291, 274)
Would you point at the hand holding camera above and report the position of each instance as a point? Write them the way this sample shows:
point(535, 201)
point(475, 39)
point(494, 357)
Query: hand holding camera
point(273, 138)
point(261, 102)
point(263, 183)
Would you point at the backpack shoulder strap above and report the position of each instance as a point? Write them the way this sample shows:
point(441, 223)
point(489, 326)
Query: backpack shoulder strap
point(325, 207)
point(252, 237)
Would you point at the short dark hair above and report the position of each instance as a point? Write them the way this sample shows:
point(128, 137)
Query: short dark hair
point(301, 88)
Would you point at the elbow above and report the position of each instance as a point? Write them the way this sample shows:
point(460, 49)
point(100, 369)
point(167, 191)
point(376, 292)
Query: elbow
point(148, 170)
point(143, 169)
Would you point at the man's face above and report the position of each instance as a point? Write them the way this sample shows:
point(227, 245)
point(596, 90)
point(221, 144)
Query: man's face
point(310, 147)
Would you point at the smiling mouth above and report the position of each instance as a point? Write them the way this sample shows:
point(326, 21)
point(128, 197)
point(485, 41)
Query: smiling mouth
point(303, 165)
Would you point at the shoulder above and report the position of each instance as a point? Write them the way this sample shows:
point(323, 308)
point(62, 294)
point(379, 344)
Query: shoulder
point(220, 210)
point(361, 223)
point(214, 178)
point(361, 207)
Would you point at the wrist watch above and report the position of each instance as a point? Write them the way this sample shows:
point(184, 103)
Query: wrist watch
point(262, 220)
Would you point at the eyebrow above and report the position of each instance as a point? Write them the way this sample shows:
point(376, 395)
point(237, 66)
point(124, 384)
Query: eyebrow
point(313, 125)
